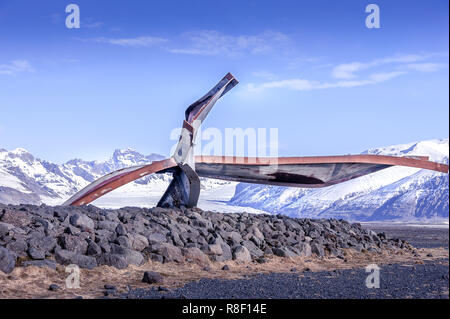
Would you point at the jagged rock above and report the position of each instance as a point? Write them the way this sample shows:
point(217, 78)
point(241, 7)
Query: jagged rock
point(54, 287)
point(107, 225)
point(113, 260)
point(93, 249)
point(255, 252)
point(168, 252)
point(121, 230)
point(151, 277)
point(214, 249)
point(73, 243)
point(138, 242)
point(19, 247)
point(240, 253)
point(7, 260)
point(131, 256)
point(66, 257)
point(82, 221)
point(156, 238)
point(123, 241)
point(283, 252)
point(15, 218)
point(124, 236)
point(36, 254)
point(5, 229)
point(305, 249)
point(196, 255)
point(317, 249)
point(40, 263)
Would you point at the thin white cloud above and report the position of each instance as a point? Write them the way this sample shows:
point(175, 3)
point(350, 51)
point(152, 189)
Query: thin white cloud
point(210, 43)
point(16, 66)
point(144, 41)
point(309, 85)
point(347, 74)
point(425, 67)
point(265, 75)
point(347, 71)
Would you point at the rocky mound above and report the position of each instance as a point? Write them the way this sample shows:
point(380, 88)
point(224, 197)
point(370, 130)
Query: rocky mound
point(89, 236)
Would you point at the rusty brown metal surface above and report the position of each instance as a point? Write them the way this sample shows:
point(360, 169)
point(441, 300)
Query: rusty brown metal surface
point(317, 171)
point(117, 179)
point(415, 161)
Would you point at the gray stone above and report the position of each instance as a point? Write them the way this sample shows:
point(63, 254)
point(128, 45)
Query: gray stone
point(123, 241)
point(73, 243)
point(19, 247)
point(5, 229)
point(35, 253)
point(168, 251)
point(283, 252)
point(138, 242)
point(107, 225)
point(155, 238)
point(40, 263)
point(305, 249)
point(255, 252)
point(151, 277)
point(196, 255)
point(54, 287)
point(121, 230)
point(7, 260)
point(317, 249)
point(66, 257)
point(113, 260)
point(240, 253)
point(214, 249)
point(93, 249)
point(16, 218)
point(82, 221)
point(131, 256)
point(157, 258)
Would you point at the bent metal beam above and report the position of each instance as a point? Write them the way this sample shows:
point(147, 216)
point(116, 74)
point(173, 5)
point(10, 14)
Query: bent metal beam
point(184, 189)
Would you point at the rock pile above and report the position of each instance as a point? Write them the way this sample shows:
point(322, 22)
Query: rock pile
point(89, 236)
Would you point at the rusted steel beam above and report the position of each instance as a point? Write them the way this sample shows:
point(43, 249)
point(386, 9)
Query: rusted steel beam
point(114, 180)
point(410, 161)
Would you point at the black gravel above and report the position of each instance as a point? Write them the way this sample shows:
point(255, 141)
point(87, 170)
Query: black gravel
point(418, 236)
point(430, 280)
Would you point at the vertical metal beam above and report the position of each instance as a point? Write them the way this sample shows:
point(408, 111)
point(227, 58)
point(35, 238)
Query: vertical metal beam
point(184, 189)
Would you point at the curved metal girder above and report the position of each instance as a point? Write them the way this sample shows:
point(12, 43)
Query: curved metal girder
point(306, 172)
point(114, 180)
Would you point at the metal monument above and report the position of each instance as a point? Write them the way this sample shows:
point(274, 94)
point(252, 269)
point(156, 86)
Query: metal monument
point(184, 189)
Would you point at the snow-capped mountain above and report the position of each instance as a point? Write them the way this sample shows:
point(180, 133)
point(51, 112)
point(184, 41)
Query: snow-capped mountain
point(29, 180)
point(26, 179)
point(399, 193)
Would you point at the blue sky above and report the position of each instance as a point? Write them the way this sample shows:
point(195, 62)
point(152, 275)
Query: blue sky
point(309, 68)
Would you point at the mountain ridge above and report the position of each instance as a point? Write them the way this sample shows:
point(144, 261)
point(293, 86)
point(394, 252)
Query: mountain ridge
point(396, 193)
